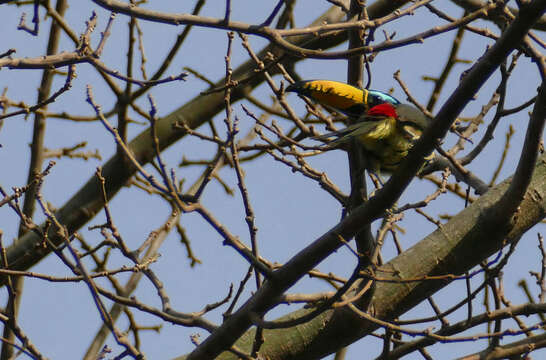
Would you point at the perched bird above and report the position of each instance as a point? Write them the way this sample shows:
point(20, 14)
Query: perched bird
point(386, 128)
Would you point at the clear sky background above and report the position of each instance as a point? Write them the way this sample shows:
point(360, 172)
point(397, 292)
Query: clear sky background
point(291, 211)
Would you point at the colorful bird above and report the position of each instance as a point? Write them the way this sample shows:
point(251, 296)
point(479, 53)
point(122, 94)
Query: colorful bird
point(386, 128)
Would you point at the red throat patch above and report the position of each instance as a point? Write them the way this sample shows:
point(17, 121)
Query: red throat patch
point(384, 109)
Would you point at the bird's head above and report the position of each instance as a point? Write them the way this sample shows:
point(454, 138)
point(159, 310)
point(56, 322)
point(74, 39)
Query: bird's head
point(410, 120)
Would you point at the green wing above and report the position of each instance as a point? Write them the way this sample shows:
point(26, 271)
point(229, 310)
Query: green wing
point(367, 130)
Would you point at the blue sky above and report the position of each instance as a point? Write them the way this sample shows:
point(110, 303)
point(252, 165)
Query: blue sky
point(291, 211)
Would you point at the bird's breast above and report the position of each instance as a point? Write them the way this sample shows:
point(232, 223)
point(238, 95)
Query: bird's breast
point(387, 143)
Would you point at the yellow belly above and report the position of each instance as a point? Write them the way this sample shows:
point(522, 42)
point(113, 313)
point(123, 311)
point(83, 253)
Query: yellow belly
point(386, 145)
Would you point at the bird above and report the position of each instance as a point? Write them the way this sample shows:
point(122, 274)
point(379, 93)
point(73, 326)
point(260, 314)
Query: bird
point(386, 128)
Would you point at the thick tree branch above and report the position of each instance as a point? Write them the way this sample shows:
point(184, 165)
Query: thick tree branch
point(457, 246)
